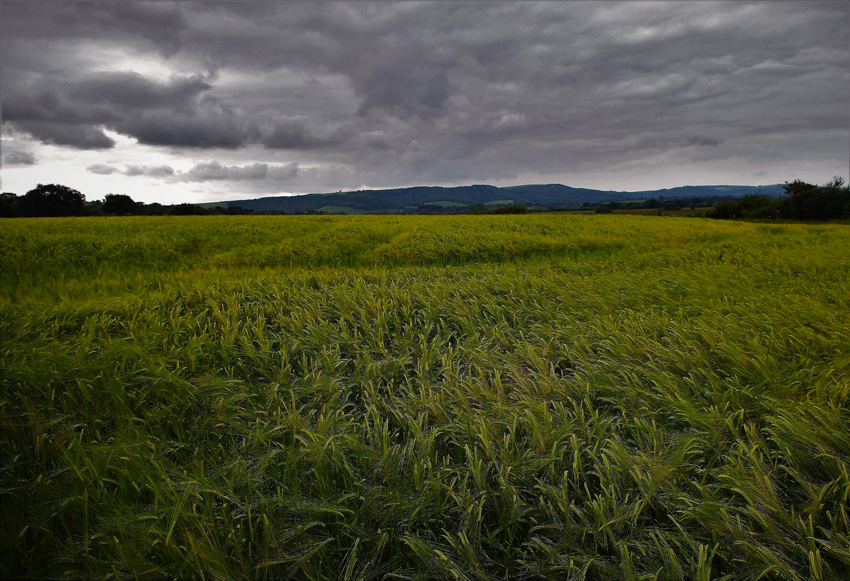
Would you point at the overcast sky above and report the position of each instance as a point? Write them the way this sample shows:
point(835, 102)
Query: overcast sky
point(191, 102)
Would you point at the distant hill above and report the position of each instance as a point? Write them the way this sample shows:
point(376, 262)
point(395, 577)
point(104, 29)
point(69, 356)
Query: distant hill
point(533, 195)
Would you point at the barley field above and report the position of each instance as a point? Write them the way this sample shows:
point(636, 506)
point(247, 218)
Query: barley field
point(424, 397)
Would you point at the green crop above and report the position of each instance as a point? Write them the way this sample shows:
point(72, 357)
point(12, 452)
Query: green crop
point(417, 397)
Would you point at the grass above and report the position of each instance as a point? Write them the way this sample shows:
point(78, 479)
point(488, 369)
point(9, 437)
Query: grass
point(470, 397)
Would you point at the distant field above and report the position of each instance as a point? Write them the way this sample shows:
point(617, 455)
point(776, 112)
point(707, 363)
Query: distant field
point(336, 209)
point(446, 204)
point(539, 396)
point(648, 211)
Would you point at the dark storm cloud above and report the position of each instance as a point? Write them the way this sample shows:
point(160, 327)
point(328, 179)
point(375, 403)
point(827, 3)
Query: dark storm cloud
point(172, 113)
point(210, 129)
point(76, 135)
point(401, 93)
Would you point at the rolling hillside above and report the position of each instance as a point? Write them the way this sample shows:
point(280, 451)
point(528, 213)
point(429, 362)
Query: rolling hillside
point(546, 195)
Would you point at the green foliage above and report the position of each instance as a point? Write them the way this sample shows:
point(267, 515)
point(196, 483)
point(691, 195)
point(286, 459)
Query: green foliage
point(52, 200)
point(505, 209)
point(9, 205)
point(510, 209)
point(810, 202)
point(121, 205)
point(186, 210)
point(803, 202)
point(473, 397)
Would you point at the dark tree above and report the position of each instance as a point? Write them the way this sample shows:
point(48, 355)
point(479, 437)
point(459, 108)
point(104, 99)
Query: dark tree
point(9, 205)
point(186, 210)
point(725, 210)
point(802, 199)
point(808, 202)
point(510, 209)
point(802, 202)
point(153, 209)
point(52, 200)
point(753, 204)
point(120, 205)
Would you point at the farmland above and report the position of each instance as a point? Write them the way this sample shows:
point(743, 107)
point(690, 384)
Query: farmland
point(424, 397)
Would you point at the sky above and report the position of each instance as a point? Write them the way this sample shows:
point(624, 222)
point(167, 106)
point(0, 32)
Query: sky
point(176, 102)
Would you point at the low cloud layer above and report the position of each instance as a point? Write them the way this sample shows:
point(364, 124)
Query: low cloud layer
point(206, 171)
point(393, 94)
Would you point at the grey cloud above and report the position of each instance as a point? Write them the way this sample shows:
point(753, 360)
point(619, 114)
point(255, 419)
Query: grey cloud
point(404, 92)
point(170, 114)
point(702, 141)
point(400, 93)
point(215, 170)
point(207, 171)
point(147, 170)
point(78, 136)
point(101, 169)
point(256, 171)
point(160, 24)
point(283, 173)
point(130, 90)
point(132, 170)
point(17, 157)
point(210, 129)
point(294, 134)
point(287, 136)
point(157, 25)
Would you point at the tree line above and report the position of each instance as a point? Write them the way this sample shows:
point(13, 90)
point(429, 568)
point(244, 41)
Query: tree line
point(56, 200)
point(801, 201)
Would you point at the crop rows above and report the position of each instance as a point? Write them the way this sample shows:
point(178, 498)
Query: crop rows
point(499, 397)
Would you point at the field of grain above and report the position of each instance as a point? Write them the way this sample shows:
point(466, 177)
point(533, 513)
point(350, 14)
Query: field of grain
point(424, 397)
